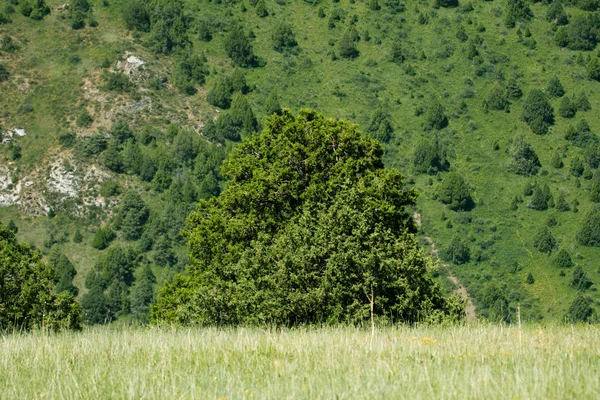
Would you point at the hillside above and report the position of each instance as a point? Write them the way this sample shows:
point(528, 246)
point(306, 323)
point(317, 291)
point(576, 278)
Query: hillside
point(118, 97)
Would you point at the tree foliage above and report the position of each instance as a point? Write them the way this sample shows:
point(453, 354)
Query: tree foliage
point(455, 192)
point(524, 160)
point(28, 299)
point(589, 231)
point(309, 224)
point(538, 112)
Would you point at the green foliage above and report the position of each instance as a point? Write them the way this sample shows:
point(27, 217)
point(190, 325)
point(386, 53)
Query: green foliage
point(283, 37)
point(242, 114)
point(396, 54)
point(238, 48)
point(261, 9)
point(582, 103)
point(458, 251)
point(430, 158)
point(563, 259)
point(4, 74)
point(445, 3)
point(561, 203)
point(581, 135)
point(539, 200)
point(524, 160)
point(102, 238)
point(132, 215)
point(581, 310)
point(435, 115)
point(555, 87)
point(288, 245)
point(238, 82)
point(136, 14)
point(227, 128)
point(544, 241)
point(580, 280)
point(538, 112)
point(496, 302)
point(381, 127)
point(272, 105)
point(455, 192)
point(77, 237)
point(529, 280)
point(347, 47)
point(27, 298)
point(513, 90)
point(593, 69)
point(496, 99)
point(516, 10)
point(556, 14)
point(189, 71)
point(220, 94)
point(589, 231)
point(567, 108)
point(95, 307)
point(142, 294)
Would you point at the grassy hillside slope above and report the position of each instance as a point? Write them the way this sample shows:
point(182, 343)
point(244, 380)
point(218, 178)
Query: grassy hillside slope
point(408, 55)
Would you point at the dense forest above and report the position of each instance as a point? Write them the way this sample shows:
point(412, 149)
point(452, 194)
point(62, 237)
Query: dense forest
point(120, 120)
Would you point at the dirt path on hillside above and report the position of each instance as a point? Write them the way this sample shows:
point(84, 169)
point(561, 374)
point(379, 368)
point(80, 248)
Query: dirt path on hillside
point(460, 289)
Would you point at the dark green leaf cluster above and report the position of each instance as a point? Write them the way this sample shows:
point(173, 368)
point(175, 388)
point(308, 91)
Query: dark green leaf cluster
point(538, 112)
point(581, 310)
point(589, 231)
point(455, 192)
point(563, 259)
point(308, 228)
point(430, 157)
point(28, 299)
point(283, 37)
point(458, 251)
point(516, 10)
point(381, 127)
point(524, 160)
point(544, 241)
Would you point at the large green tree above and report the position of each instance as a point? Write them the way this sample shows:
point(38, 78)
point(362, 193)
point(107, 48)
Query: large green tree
point(27, 293)
point(310, 229)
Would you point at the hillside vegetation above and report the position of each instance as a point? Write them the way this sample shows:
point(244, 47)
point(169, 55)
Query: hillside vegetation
point(129, 108)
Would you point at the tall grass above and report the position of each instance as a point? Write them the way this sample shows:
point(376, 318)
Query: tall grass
point(477, 362)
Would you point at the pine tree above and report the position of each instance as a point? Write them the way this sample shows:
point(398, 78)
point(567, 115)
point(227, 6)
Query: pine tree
point(589, 232)
point(582, 102)
point(458, 252)
point(557, 161)
point(238, 47)
point(524, 158)
point(435, 115)
point(581, 310)
point(561, 203)
point(580, 280)
point(538, 112)
point(513, 91)
point(347, 48)
point(563, 259)
point(555, 87)
point(272, 104)
point(593, 69)
point(544, 241)
point(567, 109)
point(455, 192)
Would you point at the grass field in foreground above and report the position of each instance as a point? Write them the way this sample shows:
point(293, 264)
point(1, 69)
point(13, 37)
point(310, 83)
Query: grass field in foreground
point(476, 362)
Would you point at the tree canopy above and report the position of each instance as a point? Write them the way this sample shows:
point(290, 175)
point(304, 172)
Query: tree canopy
point(309, 228)
point(27, 291)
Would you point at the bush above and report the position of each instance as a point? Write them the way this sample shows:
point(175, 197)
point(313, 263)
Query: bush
point(567, 108)
point(27, 298)
point(524, 159)
point(516, 10)
point(563, 259)
point(589, 232)
point(435, 116)
point(538, 112)
point(455, 192)
point(102, 238)
point(458, 251)
point(381, 127)
point(238, 48)
point(544, 241)
point(323, 224)
point(497, 98)
point(132, 215)
point(220, 94)
point(4, 75)
point(582, 103)
point(593, 69)
point(580, 310)
point(283, 37)
point(580, 280)
point(555, 87)
point(347, 48)
point(430, 158)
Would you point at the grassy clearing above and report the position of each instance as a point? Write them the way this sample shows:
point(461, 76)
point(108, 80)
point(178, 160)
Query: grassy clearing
point(470, 362)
